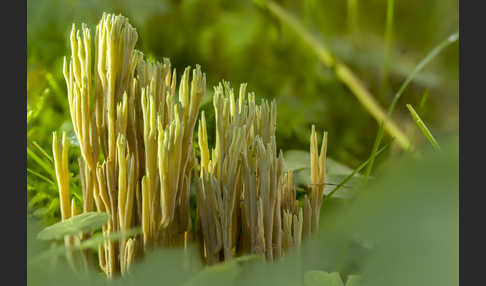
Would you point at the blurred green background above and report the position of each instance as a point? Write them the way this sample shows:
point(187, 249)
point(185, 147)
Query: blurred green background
point(240, 42)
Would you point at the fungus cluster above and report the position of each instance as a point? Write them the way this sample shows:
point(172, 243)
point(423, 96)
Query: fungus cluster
point(135, 126)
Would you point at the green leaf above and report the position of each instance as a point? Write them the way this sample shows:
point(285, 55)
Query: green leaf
point(45, 165)
point(247, 258)
point(81, 223)
point(337, 168)
point(44, 152)
point(44, 178)
point(301, 178)
point(299, 162)
point(40, 212)
point(207, 99)
point(299, 159)
point(353, 280)
point(53, 206)
point(356, 171)
point(423, 127)
point(93, 242)
point(37, 198)
point(220, 274)
point(51, 252)
point(98, 239)
point(296, 160)
point(322, 278)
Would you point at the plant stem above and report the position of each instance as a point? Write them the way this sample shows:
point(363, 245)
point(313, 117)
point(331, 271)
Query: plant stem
point(388, 39)
point(41, 176)
point(352, 16)
point(421, 108)
point(423, 127)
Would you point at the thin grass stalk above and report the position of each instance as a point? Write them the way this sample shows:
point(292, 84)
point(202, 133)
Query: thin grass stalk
point(423, 127)
point(390, 8)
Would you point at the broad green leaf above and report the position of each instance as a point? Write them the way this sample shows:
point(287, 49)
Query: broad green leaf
point(296, 160)
point(220, 274)
point(302, 178)
point(349, 189)
point(299, 159)
point(51, 252)
point(98, 239)
point(299, 162)
point(93, 242)
point(81, 223)
point(353, 280)
point(356, 171)
point(322, 278)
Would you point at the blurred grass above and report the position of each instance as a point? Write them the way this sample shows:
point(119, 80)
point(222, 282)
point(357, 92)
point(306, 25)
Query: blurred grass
point(420, 66)
point(237, 41)
point(342, 72)
point(423, 127)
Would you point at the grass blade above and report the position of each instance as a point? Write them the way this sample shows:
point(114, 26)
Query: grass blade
point(37, 198)
point(428, 58)
point(431, 55)
point(342, 72)
point(377, 143)
point(357, 170)
point(420, 109)
point(41, 162)
point(43, 151)
point(423, 100)
point(423, 127)
point(352, 16)
point(388, 39)
point(41, 177)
